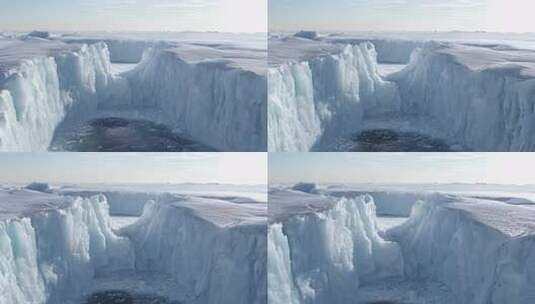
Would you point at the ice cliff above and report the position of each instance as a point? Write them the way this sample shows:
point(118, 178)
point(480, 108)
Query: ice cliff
point(48, 86)
point(323, 256)
point(484, 251)
point(215, 251)
point(52, 249)
point(480, 96)
point(313, 101)
point(472, 95)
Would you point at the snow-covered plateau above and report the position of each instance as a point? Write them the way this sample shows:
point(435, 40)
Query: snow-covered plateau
point(458, 244)
point(209, 87)
point(58, 246)
point(401, 92)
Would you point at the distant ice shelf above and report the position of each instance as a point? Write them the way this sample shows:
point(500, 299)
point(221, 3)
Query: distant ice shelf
point(215, 92)
point(452, 92)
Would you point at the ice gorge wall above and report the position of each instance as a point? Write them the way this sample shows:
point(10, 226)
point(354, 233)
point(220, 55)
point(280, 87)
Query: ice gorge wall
point(222, 263)
point(323, 249)
point(321, 257)
point(54, 247)
point(311, 102)
point(58, 85)
point(473, 92)
point(482, 250)
point(51, 256)
point(326, 88)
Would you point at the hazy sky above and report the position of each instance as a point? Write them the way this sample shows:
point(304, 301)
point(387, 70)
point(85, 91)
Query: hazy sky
point(499, 168)
point(121, 168)
point(399, 15)
point(134, 15)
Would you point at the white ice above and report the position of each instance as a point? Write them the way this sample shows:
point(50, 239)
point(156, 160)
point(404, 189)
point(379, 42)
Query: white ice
point(461, 244)
point(60, 247)
point(211, 87)
point(473, 91)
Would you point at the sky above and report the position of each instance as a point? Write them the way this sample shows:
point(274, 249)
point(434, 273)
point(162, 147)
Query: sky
point(402, 15)
point(132, 168)
point(402, 168)
point(134, 15)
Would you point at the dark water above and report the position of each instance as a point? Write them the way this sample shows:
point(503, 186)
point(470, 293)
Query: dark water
point(124, 135)
point(385, 140)
point(122, 297)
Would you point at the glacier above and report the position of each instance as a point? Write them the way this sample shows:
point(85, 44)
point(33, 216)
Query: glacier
point(459, 244)
point(454, 88)
point(211, 89)
point(61, 246)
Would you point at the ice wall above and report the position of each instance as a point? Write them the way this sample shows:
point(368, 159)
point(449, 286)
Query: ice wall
point(214, 103)
point(311, 103)
point(487, 108)
point(323, 257)
point(479, 262)
point(51, 256)
point(218, 105)
point(35, 98)
point(210, 263)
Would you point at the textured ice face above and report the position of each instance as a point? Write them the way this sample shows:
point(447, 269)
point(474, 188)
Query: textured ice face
point(452, 94)
point(324, 95)
point(321, 254)
point(215, 93)
point(53, 248)
point(323, 248)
